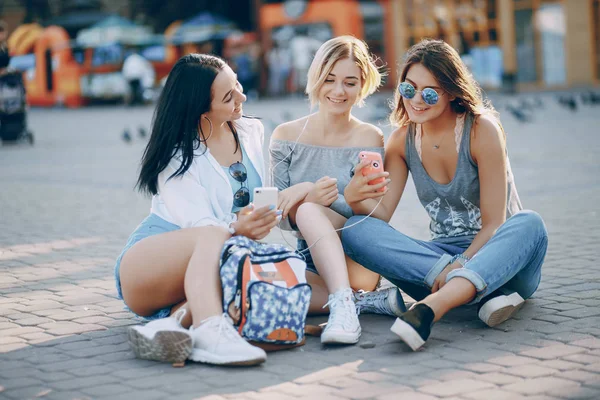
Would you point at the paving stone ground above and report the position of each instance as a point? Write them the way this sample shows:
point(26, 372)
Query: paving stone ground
point(67, 206)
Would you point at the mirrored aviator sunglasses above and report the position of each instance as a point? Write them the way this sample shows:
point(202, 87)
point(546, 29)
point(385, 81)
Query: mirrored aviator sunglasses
point(241, 198)
point(429, 95)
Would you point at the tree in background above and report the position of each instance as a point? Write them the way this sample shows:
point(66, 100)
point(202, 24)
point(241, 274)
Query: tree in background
point(160, 13)
point(36, 10)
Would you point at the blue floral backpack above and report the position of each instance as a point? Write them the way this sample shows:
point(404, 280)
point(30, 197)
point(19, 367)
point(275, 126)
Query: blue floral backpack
point(265, 292)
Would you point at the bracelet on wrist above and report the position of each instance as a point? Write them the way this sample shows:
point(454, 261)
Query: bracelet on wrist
point(231, 228)
point(462, 259)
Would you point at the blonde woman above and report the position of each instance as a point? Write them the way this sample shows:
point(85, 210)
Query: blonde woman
point(311, 161)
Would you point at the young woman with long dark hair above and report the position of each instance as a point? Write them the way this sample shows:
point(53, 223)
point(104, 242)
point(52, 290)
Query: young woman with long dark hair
point(201, 164)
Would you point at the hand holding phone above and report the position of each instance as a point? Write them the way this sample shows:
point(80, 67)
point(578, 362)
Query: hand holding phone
point(375, 165)
point(255, 223)
point(257, 219)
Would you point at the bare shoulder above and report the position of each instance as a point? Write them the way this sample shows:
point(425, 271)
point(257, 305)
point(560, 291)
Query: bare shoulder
point(487, 130)
point(289, 130)
point(397, 140)
point(487, 139)
point(368, 135)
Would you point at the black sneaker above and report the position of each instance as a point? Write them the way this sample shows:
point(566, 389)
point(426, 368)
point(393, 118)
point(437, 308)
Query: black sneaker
point(414, 326)
point(498, 307)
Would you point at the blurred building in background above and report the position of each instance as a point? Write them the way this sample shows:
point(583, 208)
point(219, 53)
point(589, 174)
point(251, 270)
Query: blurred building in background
point(511, 44)
point(72, 51)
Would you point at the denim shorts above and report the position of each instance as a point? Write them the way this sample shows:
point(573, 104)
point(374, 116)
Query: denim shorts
point(152, 225)
point(301, 247)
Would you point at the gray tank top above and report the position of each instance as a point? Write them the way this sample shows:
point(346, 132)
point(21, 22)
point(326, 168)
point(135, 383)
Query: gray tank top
point(309, 163)
point(454, 208)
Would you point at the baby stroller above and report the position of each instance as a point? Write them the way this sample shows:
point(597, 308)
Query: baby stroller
point(13, 108)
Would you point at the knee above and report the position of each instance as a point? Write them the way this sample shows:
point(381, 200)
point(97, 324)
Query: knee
point(532, 224)
point(306, 210)
point(349, 234)
point(218, 233)
point(356, 232)
point(210, 240)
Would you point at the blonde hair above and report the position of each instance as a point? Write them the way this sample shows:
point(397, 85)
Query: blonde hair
point(340, 48)
point(454, 78)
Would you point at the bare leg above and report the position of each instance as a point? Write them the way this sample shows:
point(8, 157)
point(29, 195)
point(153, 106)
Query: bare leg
point(359, 277)
point(316, 222)
point(186, 321)
point(326, 250)
point(456, 292)
point(175, 267)
point(319, 294)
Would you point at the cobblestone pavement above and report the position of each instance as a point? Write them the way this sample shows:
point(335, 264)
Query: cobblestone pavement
point(67, 206)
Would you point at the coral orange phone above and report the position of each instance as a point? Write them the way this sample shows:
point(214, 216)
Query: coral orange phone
point(374, 167)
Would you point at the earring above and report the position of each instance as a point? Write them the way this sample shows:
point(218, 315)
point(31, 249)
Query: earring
point(211, 127)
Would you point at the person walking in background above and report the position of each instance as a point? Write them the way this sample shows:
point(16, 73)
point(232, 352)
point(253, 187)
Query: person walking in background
point(201, 164)
point(303, 49)
point(279, 60)
point(485, 248)
point(244, 63)
point(140, 76)
point(3, 32)
point(13, 102)
point(311, 162)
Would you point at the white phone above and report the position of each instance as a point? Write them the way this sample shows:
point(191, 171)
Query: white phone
point(265, 196)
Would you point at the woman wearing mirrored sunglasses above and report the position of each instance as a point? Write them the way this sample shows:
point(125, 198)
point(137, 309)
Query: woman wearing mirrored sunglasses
point(484, 247)
point(201, 164)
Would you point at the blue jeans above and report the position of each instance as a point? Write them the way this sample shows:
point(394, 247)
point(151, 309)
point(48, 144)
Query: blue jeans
point(511, 261)
point(301, 249)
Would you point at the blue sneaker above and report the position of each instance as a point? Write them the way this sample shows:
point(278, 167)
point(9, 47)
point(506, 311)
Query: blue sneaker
point(384, 302)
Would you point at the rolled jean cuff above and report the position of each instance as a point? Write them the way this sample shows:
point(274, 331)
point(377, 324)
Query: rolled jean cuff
point(472, 277)
point(438, 267)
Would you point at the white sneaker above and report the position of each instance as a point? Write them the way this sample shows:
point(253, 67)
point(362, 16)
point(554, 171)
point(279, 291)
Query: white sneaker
point(162, 340)
point(343, 326)
point(217, 342)
point(385, 302)
point(499, 308)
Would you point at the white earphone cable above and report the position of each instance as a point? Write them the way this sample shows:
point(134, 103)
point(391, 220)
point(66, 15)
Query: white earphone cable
point(336, 230)
point(271, 176)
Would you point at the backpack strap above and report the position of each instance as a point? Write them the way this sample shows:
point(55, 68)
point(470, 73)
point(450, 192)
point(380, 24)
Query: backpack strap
point(288, 273)
point(284, 273)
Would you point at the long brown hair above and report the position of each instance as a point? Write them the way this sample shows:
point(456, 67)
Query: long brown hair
point(452, 75)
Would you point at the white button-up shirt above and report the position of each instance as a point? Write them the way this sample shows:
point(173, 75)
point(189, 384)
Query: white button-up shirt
point(203, 196)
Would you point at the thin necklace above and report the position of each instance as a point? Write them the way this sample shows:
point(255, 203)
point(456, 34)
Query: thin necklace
point(437, 146)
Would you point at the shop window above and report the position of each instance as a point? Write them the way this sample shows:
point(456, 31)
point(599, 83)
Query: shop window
point(552, 27)
point(468, 25)
point(540, 35)
point(374, 35)
point(526, 52)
